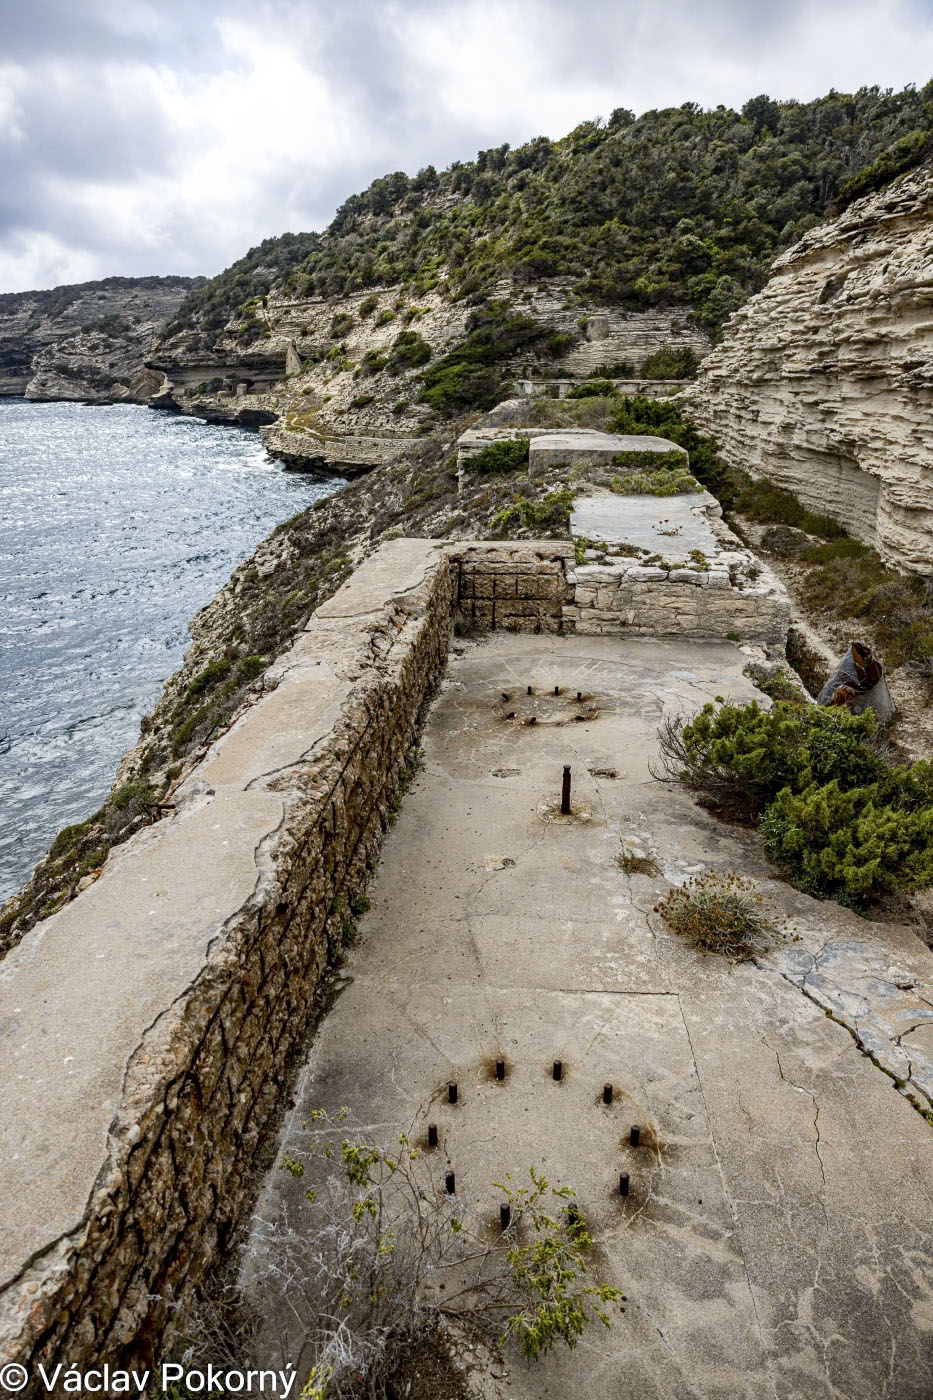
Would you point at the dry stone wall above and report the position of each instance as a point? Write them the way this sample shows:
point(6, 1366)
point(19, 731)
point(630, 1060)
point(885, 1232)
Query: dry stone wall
point(149, 1026)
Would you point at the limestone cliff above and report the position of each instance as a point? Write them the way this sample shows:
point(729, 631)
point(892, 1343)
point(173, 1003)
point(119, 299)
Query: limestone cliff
point(823, 382)
point(334, 387)
point(88, 341)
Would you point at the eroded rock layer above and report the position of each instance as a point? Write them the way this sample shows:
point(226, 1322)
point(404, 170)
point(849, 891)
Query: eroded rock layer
point(824, 381)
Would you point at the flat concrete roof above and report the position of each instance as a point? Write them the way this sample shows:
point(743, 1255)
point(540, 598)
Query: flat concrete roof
point(777, 1238)
point(669, 525)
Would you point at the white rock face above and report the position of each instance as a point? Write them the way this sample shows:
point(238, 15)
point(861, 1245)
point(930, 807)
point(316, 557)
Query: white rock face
point(824, 381)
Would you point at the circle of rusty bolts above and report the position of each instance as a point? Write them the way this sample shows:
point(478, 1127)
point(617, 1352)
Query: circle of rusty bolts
point(500, 1068)
point(607, 1093)
point(558, 1069)
point(450, 1184)
point(634, 1135)
point(452, 1092)
point(505, 1215)
point(565, 792)
point(623, 1183)
point(432, 1134)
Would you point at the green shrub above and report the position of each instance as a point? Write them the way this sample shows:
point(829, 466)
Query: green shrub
point(671, 480)
point(409, 351)
point(341, 322)
point(362, 400)
point(593, 388)
point(834, 814)
point(722, 914)
point(249, 668)
point(550, 515)
point(467, 376)
point(213, 672)
point(670, 362)
point(772, 505)
point(851, 844)
point(661, 418)
point(619, 369)
point(506, 455)
point(368, 306)
point(743, 753)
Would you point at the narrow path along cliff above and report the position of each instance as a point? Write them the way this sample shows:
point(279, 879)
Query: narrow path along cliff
point(775, 1238)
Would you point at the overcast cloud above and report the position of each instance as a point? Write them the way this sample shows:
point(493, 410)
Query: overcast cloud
point(140, 137)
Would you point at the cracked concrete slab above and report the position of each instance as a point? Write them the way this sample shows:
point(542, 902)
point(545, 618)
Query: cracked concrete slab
point(777, 1241)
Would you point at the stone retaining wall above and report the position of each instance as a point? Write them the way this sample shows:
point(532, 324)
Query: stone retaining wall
point(146, 1030)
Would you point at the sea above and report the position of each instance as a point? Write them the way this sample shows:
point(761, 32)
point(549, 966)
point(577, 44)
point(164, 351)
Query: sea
point(117, 523)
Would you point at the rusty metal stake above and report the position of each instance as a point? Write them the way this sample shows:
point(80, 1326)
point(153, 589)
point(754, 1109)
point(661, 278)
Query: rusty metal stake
point(452, 1092)
point(450, 1181)
point(557, 690)
point(558, 1069)
point(579, 696)
point(432, 1134)
point(500, 1069)
point(505, 1216)
point(530, 691)
point(634, 1135)
point(565, 792)
point(623, 1183)
point(607, 1093)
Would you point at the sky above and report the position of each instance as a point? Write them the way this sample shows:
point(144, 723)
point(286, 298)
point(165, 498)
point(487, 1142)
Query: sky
point(170, 137)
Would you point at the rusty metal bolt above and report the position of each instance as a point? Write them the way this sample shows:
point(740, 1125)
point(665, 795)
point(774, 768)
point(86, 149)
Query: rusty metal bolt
point(505, 1215)
point(558, 1069)
point(500, 1068)
point(432, 1134)
point(452, 1092)
point(450, 1182)
point(635, 1135)
point(623, 1183)
point(607, 1093)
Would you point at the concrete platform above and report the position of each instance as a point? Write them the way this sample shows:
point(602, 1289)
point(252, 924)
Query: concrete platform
point(668, 525)
point(777, 1240)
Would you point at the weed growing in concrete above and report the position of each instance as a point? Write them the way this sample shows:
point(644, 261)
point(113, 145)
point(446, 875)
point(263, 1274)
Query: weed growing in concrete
point(720, 913)
point(377, 1258)
point(637, 863)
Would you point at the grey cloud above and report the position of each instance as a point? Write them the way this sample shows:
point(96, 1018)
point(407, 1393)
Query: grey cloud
point(85, 128)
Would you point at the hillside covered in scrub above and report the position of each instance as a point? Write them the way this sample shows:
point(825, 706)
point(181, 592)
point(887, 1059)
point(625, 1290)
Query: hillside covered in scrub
point(679, 206)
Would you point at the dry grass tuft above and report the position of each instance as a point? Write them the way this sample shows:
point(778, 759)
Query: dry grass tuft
point(721, 913)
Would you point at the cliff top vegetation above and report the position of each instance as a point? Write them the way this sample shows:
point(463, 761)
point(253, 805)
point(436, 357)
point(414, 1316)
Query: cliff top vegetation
point(677, 206)
point(53, 301)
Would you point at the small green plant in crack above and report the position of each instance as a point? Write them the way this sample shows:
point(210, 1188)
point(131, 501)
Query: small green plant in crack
point(721, 913)
point(636, 862)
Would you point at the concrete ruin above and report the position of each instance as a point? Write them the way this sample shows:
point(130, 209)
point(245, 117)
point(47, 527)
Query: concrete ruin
point(138, 1096)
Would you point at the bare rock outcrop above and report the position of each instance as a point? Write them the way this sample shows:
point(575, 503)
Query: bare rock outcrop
point(86, 342)
point(823, 382)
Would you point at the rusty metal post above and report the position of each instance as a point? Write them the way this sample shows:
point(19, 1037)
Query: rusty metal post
point(452, 1092)
point(432, 1134)
point(500, 1068)
point(565, 792)
point(505, 1216)
point(450, 1182)
point(623, 1183)
point(607, 1093)
point(635, 1135)
point(558, 1069)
